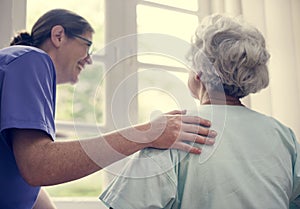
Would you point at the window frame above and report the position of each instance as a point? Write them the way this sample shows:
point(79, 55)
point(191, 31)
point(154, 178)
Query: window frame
point(120, 21)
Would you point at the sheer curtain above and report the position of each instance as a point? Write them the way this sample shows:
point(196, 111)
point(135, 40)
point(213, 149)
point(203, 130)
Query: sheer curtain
point(277, 20)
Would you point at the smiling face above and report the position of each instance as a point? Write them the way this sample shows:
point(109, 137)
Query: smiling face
point(75, 58)
point(69, 54)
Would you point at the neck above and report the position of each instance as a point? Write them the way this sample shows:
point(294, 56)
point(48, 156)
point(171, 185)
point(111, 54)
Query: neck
point(219, 98)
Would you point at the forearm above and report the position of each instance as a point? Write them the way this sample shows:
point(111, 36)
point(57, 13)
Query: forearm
point(109, 148)
point(60, 162)
point(44, 162)
point(48, 162)
point(75, 159)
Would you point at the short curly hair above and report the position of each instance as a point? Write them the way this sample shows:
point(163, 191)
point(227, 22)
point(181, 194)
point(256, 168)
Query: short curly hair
point(230, 55)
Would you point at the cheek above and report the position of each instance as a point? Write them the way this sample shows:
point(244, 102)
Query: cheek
point(82, 55)
point(78, 53)
point(193, 85)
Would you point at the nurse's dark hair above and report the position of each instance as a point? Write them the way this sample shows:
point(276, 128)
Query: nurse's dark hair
point(72, 23)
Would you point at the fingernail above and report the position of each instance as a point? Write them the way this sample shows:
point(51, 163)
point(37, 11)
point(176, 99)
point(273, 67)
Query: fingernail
point(213, 133)
point(196, 150)
point(210, 141)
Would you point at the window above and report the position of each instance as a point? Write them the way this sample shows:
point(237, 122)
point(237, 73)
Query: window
point(115, 19)
point(162, 74)
point(119, 90)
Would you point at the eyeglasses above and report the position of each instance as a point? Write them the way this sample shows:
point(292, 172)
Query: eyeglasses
point(88, 43)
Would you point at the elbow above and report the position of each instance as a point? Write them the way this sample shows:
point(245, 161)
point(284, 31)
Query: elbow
point(33, 182)
point(31, 160)
point(33, 172)
point(30, 148)
point(38, 174)
point(31, 176)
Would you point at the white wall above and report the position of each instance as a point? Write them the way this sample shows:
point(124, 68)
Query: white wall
point(12, 19)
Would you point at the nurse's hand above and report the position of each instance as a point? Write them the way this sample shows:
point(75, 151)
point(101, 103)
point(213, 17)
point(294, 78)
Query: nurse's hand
point(173, 129)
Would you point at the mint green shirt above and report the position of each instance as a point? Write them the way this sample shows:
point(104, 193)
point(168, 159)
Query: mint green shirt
point(254, 164)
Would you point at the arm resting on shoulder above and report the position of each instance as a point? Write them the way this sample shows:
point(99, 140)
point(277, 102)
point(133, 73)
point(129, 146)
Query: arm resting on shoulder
point(42, 161)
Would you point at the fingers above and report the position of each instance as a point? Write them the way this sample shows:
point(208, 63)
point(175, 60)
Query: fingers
point(196, 138)
point(196, 129)
point(176, 112)
point(195, 120)
point(173, 131)
point(187, 148)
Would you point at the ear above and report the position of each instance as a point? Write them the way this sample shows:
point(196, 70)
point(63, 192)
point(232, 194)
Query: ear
point(57, 35)
point(198, 76)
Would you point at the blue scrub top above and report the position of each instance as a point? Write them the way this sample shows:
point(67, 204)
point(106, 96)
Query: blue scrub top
point(27, 101)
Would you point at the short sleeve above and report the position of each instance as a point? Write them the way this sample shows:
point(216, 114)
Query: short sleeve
point(143, 184)
point(28, 93)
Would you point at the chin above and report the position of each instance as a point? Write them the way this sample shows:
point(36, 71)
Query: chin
point(74, 81)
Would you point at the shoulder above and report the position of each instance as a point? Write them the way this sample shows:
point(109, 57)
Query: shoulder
point(267, 120)
point(12, 54)
point(282, 128)
point(233, 116)
point(26, 60)
point(269, 126)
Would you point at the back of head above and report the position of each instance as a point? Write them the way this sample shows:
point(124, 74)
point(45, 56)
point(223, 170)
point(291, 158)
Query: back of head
point(231, 55)
point(41, 30)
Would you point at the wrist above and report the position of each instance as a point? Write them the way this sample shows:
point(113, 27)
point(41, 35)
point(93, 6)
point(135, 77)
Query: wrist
point(137, 136)
point(144, 138)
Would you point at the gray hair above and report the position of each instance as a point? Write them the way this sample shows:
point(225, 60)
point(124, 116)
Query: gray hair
point(230, 55)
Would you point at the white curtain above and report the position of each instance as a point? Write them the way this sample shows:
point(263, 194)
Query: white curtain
point(277, 20)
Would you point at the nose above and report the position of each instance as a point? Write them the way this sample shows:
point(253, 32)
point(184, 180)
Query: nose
point(88, 59)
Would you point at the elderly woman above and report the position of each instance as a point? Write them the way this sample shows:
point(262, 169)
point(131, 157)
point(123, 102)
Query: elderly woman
point(254, 162)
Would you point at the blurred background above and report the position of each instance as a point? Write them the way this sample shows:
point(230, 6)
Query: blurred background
point(139, 69)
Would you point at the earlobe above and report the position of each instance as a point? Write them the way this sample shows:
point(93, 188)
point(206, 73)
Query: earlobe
point(57, 35)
